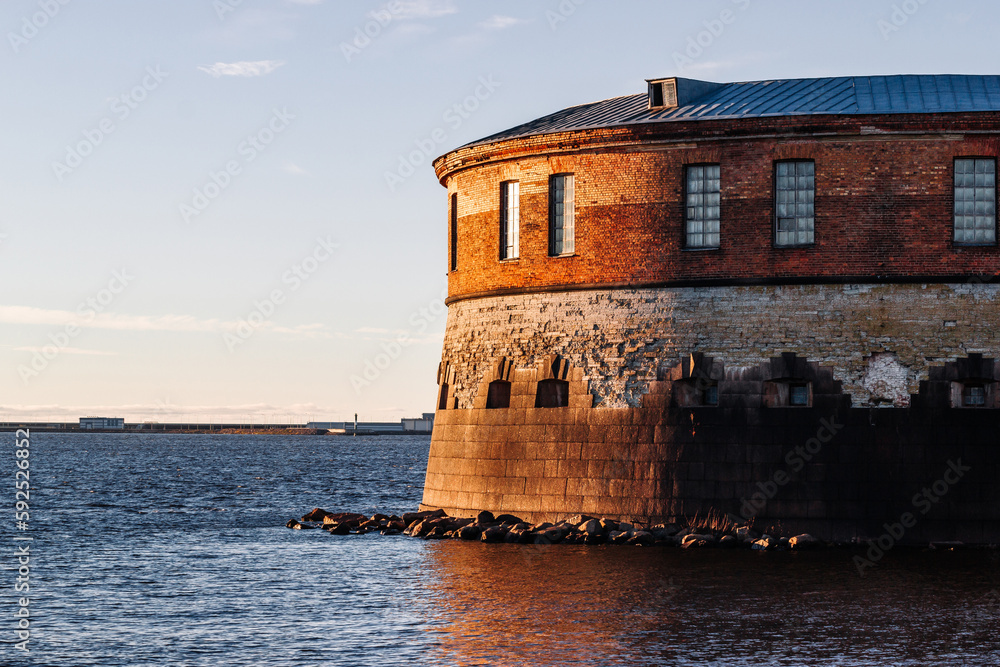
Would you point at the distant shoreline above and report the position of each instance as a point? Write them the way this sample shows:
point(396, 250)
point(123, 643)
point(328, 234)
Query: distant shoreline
point(73, 428)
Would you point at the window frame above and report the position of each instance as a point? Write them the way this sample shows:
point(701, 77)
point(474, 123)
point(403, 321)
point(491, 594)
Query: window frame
point(954, 200)
point(510, 227)
point(774, 208)
point(685, 234)
point(568, 213)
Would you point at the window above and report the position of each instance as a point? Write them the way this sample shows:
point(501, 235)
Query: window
point(561, 219)
point(798, 395)
point(975, 201)
point(974, 396)
point(696, 392)
point(787, 392)
point(453, 232)
point(510, 219)
point(443, 398)
point(795, 190)
point(552, 394)
point(702, 206)
point(498, 395)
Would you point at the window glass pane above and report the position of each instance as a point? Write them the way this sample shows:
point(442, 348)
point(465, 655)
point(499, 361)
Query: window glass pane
point(795, 197)
point(702, 206)
point(975, 201)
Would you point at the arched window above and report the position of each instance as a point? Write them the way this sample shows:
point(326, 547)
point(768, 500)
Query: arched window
point(498, 395)
point(552, 394)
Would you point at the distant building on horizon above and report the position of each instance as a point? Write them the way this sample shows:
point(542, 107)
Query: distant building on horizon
point(102, 423)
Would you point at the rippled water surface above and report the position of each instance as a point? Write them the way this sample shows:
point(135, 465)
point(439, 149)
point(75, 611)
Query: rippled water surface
point(171, 550)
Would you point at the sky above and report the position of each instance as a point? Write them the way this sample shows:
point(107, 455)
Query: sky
point(225, 209)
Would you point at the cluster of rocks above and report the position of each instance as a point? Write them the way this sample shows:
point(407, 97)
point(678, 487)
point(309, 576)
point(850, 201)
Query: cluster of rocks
point(580, 529)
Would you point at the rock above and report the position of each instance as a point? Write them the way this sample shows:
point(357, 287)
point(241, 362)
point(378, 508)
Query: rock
point(396, 525)
point(550, 536)
point(316, 515)
point(508, 518)
point(379, 517)
point(578, 519)
point(493, 534)
point(803, 541)
point(292, 523)
point(436, 533)
point(338, 528)
point(728, 542)
point(948, 546)
point(470, 532)
point(607, 525)
point(590, 527)
point(389, 531)
point(783, 542)
point(625, 526)
point(410, 517)
point(693, 540)
point(622, 536)
point(746, 534)
point(349, 518)
point(641, 538)
point(765, 543)
point(485, 517)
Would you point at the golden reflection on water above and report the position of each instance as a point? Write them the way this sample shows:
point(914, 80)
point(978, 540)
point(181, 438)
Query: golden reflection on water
point(548, 604)
point(506, 604)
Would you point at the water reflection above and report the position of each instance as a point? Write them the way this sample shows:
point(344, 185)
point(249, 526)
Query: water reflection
point(563, 604)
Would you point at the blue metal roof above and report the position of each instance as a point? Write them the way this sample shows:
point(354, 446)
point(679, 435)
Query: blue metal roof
point(905, 94)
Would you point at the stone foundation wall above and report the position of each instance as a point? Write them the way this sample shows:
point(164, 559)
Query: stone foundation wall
point(839, 474)
point(878, 340)
point(884, 365)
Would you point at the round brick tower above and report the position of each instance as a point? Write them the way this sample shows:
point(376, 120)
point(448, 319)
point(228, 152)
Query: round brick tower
point(777, 300)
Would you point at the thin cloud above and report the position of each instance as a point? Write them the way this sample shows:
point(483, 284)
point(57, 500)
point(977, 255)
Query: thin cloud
point(68, 350)
point(24, 315)
point(244, 68)
point(424, 9)
point(292, 168)
point(499, 22)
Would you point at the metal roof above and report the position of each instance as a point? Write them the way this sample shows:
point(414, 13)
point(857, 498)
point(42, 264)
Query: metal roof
point(904, 94)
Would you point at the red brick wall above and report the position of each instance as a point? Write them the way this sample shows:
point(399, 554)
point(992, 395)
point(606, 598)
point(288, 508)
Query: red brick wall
point(883, 201)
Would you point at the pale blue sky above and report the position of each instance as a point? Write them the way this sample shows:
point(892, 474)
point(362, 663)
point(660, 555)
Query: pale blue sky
point(105, 221)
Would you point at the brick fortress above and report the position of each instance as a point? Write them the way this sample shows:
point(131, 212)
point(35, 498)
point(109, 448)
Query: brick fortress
point(773, 299)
